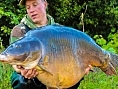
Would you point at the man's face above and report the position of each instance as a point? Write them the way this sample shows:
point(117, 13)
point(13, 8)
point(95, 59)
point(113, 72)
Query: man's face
point(36, 10)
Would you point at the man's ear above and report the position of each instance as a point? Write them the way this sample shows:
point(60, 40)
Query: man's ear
point(46, 4)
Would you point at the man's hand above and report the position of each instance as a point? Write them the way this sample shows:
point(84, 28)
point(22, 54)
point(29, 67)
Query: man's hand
point(87, 70)
point(28, 73)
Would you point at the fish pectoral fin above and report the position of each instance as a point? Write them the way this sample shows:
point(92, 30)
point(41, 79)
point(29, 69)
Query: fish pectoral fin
point(45, 69)
point(46, 58)
point(43, 63)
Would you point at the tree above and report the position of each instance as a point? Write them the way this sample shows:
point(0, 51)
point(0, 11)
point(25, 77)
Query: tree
point(96, 17)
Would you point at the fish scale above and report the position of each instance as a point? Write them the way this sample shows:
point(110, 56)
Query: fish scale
point(60, 54)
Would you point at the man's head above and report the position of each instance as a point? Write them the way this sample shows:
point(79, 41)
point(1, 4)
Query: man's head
point(22, 2)
point(36, 9)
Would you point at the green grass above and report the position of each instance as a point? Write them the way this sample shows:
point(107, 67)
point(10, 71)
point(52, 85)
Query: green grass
point(94, 80)
point(5, 73)
point(99, 80)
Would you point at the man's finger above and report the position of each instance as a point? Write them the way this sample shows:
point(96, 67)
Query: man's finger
point(19, 67)
point(87, 70)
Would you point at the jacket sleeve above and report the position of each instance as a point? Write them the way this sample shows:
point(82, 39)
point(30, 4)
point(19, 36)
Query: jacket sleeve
point(17, 32)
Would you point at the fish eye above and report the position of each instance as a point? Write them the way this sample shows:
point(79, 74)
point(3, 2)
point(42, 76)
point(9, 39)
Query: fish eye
point(16, 46)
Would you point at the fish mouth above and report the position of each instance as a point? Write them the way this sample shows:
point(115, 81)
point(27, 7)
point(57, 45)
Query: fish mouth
point(9, 60)
point(3, 58)
point(12, 59)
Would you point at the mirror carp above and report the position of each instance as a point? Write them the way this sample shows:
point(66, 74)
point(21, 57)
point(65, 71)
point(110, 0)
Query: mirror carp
point(60, 53)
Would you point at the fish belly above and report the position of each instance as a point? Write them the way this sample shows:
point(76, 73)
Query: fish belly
point(61, 73)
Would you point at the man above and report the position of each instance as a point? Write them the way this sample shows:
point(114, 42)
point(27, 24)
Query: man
point(36, 17)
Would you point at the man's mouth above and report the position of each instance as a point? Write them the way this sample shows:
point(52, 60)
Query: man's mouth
point(34, 16)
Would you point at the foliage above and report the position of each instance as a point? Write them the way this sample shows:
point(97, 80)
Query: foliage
point(97, 16)
point(102, 18)
point(1, 45)
point(5, 74)
point(98, 80)
point(111, 43)
point(10, 15)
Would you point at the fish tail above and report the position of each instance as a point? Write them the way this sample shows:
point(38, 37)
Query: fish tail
point(109, 70)
point(112, 64)
point(114, 60)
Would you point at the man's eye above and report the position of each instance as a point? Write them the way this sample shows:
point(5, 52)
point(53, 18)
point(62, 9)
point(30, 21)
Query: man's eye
point(27, 7)
point(35, 4)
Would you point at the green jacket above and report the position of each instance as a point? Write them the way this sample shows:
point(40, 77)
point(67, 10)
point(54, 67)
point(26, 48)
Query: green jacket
point(19, 30)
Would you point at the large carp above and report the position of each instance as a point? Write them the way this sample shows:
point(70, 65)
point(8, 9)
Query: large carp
point(61, 55)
